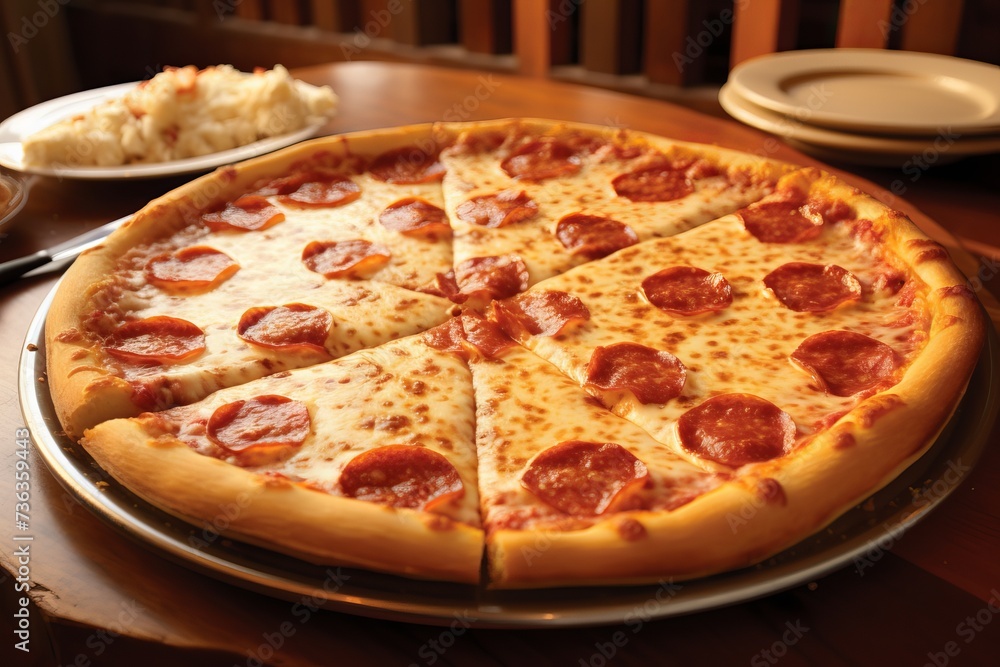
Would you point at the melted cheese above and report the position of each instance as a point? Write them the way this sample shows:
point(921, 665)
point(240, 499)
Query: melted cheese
point(744, 348)
point(524, 406)
point(366, 313)
point(401, 393)
point(589, 191)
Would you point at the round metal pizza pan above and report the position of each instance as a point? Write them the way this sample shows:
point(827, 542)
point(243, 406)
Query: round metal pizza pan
point(920, 488)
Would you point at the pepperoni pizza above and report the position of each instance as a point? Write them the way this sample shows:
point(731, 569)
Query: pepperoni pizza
point(574, 352)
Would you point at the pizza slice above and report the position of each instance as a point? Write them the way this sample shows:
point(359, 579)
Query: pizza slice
point(283, 263)
point(573, 494)
point(532, 199)
point(814, 330)
point(340, 463)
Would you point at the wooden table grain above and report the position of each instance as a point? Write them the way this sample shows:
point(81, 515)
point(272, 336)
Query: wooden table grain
point(932, 596)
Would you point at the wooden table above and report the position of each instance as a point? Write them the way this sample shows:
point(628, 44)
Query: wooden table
point(98, 598)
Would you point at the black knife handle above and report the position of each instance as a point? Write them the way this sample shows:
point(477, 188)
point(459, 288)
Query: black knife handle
point(15, 268)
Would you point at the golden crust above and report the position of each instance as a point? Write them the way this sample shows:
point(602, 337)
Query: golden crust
point(792, 497)
point(281, 515)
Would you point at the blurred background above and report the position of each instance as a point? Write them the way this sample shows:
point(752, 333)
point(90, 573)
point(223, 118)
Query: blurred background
point(679, 50)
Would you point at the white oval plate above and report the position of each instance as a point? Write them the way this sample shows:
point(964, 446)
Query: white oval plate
point(875, 90)
point(24, 123)
point(799, 128)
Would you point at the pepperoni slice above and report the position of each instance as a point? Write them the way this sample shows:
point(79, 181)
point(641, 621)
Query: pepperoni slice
point(499, 210)
point(658, 183)
point(249, 213)
point(355, 258)
point(156, 340)
point(193, 268)
point(292, 327)
point(494, 277)
point(415, 217)
point(813, 288)
point(470, 334)
point(260, 430)
point(485, 336)
point(653, 376)
point(541, 159)
point(313, 189)
point(444, 285)
point(407, 165)
point(844, 363)
point(586, 478)
point(594, 236)
point(687, 290)
point(402, 476)
point(736, 429)
point(447, 337)
point(780, 221)
point(540, 313)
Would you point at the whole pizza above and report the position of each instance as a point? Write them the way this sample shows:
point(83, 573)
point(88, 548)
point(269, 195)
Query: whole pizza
point(575, 354)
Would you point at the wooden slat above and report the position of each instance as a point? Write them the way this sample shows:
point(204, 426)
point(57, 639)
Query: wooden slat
point(610, 36)
point(405, 22)
point(334, 15)
point(422, 22)
point(932, 26)
point(41, 56)
point(250, 9)
point(562, 31)
point(599, 27)
point(864, 24)
point(376, 20)
point(10, 96)
point(285, 11)
point(763, 26)
point(666, 27)
point(485, 25)
point(531, 38)
point(324, 15)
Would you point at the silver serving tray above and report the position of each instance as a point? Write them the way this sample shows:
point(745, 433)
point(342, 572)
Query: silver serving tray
point(861, 534)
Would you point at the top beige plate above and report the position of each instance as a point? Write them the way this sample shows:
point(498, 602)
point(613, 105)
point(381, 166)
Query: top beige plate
point(875, 90)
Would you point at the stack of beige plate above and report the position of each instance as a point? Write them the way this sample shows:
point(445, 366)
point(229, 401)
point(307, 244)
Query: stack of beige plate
point(870, 106)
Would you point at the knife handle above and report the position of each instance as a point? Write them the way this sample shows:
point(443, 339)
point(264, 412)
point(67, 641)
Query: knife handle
point(15, 268)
